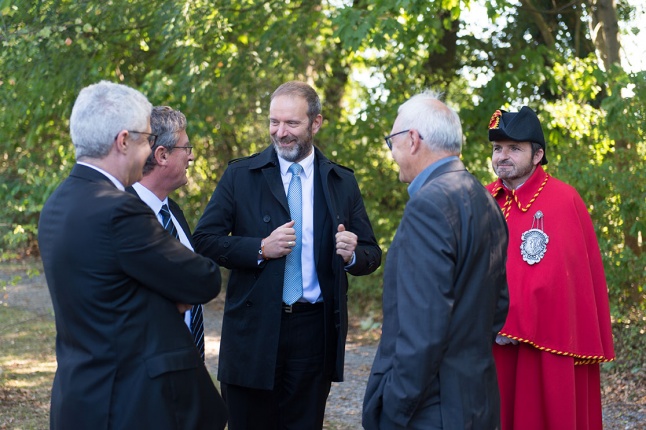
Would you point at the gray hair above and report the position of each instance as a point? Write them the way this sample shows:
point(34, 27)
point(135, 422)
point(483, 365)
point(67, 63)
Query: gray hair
point(103, 110)
point(438, 124)
point(167, 123)
point(301, 89)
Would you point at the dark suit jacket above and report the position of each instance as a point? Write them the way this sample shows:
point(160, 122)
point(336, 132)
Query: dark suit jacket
point(125, 358)
point(177, 212)
point(445, 297)
point(249, 203)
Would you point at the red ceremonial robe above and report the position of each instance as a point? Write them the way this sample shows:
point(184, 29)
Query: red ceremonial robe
point(558, 310)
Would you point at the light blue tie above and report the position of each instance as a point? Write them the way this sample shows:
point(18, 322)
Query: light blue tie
point(293, 287)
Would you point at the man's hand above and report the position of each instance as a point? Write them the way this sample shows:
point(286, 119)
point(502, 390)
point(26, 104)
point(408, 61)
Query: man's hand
point(280, 242)
point(504, 340)
point(346, 243)
point(183, 307)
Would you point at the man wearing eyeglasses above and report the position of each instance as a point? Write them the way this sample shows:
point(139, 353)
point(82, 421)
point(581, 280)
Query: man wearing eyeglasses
point(125, 358)
point(444, 291)
point(165, 172)
point(282, 347)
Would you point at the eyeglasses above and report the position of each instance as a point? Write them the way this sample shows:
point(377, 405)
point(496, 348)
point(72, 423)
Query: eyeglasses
point(188, 148)
point(389, 139)
point(152, 138)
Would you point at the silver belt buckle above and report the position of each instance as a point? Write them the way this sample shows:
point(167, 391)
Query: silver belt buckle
point(287, 309)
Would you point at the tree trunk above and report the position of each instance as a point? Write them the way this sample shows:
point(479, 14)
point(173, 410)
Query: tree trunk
point(441, 67)
point(604, 30)
point(542, 25)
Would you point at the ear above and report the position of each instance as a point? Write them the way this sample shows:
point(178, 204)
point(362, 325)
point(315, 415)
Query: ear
point(415, 142)
point(316, 124)
point(161, 155)
point(538, 156)
point(120, 144)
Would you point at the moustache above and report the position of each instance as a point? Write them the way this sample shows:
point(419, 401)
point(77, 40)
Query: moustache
point(286, 139)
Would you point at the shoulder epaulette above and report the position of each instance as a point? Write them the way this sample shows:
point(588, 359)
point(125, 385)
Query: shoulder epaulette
point(235, 160)
point(342, 167)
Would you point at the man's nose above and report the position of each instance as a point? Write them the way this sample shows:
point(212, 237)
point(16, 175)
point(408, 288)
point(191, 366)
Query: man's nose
point(281, 130)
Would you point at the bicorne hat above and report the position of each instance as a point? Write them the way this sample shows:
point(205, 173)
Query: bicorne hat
point(521, 126)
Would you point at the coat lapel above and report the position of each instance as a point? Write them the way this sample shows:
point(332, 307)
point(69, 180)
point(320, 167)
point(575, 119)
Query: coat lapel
point(267, 162)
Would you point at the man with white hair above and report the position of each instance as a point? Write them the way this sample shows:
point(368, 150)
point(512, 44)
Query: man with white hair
point(125, 358)
point(444, 292)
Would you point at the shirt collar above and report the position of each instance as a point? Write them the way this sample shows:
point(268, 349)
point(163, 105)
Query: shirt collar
point(423, 176)
point(307, 163)
point(114, 180)
point(149, 197)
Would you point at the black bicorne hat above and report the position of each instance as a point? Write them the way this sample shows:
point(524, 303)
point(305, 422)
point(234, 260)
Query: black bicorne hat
point(521, 126)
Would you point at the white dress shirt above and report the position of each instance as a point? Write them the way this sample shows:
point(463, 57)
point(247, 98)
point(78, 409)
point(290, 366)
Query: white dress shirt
point(155, 204)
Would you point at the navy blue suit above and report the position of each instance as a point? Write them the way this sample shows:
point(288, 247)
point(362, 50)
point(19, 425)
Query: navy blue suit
point(125, 357)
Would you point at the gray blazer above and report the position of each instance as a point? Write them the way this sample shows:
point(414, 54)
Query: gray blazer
point(445, 298)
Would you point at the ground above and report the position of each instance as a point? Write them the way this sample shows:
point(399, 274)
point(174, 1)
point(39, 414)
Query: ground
point(27, 362)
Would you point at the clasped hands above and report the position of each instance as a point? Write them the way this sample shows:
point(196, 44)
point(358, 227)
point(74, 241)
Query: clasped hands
point(281, 241)
point(504, 340)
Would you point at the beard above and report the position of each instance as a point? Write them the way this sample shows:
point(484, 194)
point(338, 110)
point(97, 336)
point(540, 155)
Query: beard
point(300, 149)
point(513, 172)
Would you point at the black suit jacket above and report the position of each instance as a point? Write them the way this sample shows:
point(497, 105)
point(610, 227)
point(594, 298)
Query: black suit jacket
point(177, 212)
point(445, 298)
point(247, 205)
point(125, 358)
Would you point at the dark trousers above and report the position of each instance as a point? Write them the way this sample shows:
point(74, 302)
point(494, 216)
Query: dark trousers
point(301, 388)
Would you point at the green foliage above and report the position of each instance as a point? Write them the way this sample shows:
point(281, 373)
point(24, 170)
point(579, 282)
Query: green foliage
point(218, 62)
point(629, 335)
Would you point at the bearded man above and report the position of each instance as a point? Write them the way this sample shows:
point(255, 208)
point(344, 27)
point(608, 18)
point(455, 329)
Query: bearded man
point(289, 224)
point(558, 328)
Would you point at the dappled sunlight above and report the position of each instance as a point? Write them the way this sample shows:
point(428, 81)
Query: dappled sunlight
point(40, 381)
point(28, 367)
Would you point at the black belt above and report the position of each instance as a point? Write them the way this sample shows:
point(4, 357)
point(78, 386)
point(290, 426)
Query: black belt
point(301, 307)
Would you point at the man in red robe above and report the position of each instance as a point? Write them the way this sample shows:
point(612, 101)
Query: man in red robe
point(558, 328)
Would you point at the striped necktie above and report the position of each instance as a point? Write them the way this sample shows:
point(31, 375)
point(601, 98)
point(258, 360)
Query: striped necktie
point(197, 312)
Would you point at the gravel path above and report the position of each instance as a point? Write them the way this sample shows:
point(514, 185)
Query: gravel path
point(344, 404)
point(626, 409)
point(343, 411)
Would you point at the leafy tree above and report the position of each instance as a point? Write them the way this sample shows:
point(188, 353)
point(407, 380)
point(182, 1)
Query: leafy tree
point(218, 61)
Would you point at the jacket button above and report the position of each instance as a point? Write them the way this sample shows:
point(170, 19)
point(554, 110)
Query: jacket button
point(248, 304)
point(266, 218)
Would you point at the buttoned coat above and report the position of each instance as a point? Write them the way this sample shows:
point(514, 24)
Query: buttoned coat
point(125, 358)
point(247, 205)
point(445, 298)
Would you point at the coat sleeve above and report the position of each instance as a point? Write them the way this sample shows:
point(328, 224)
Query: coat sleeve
point(213, 236)
point(426, 267)
point(368, 252)
point(147, 253)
